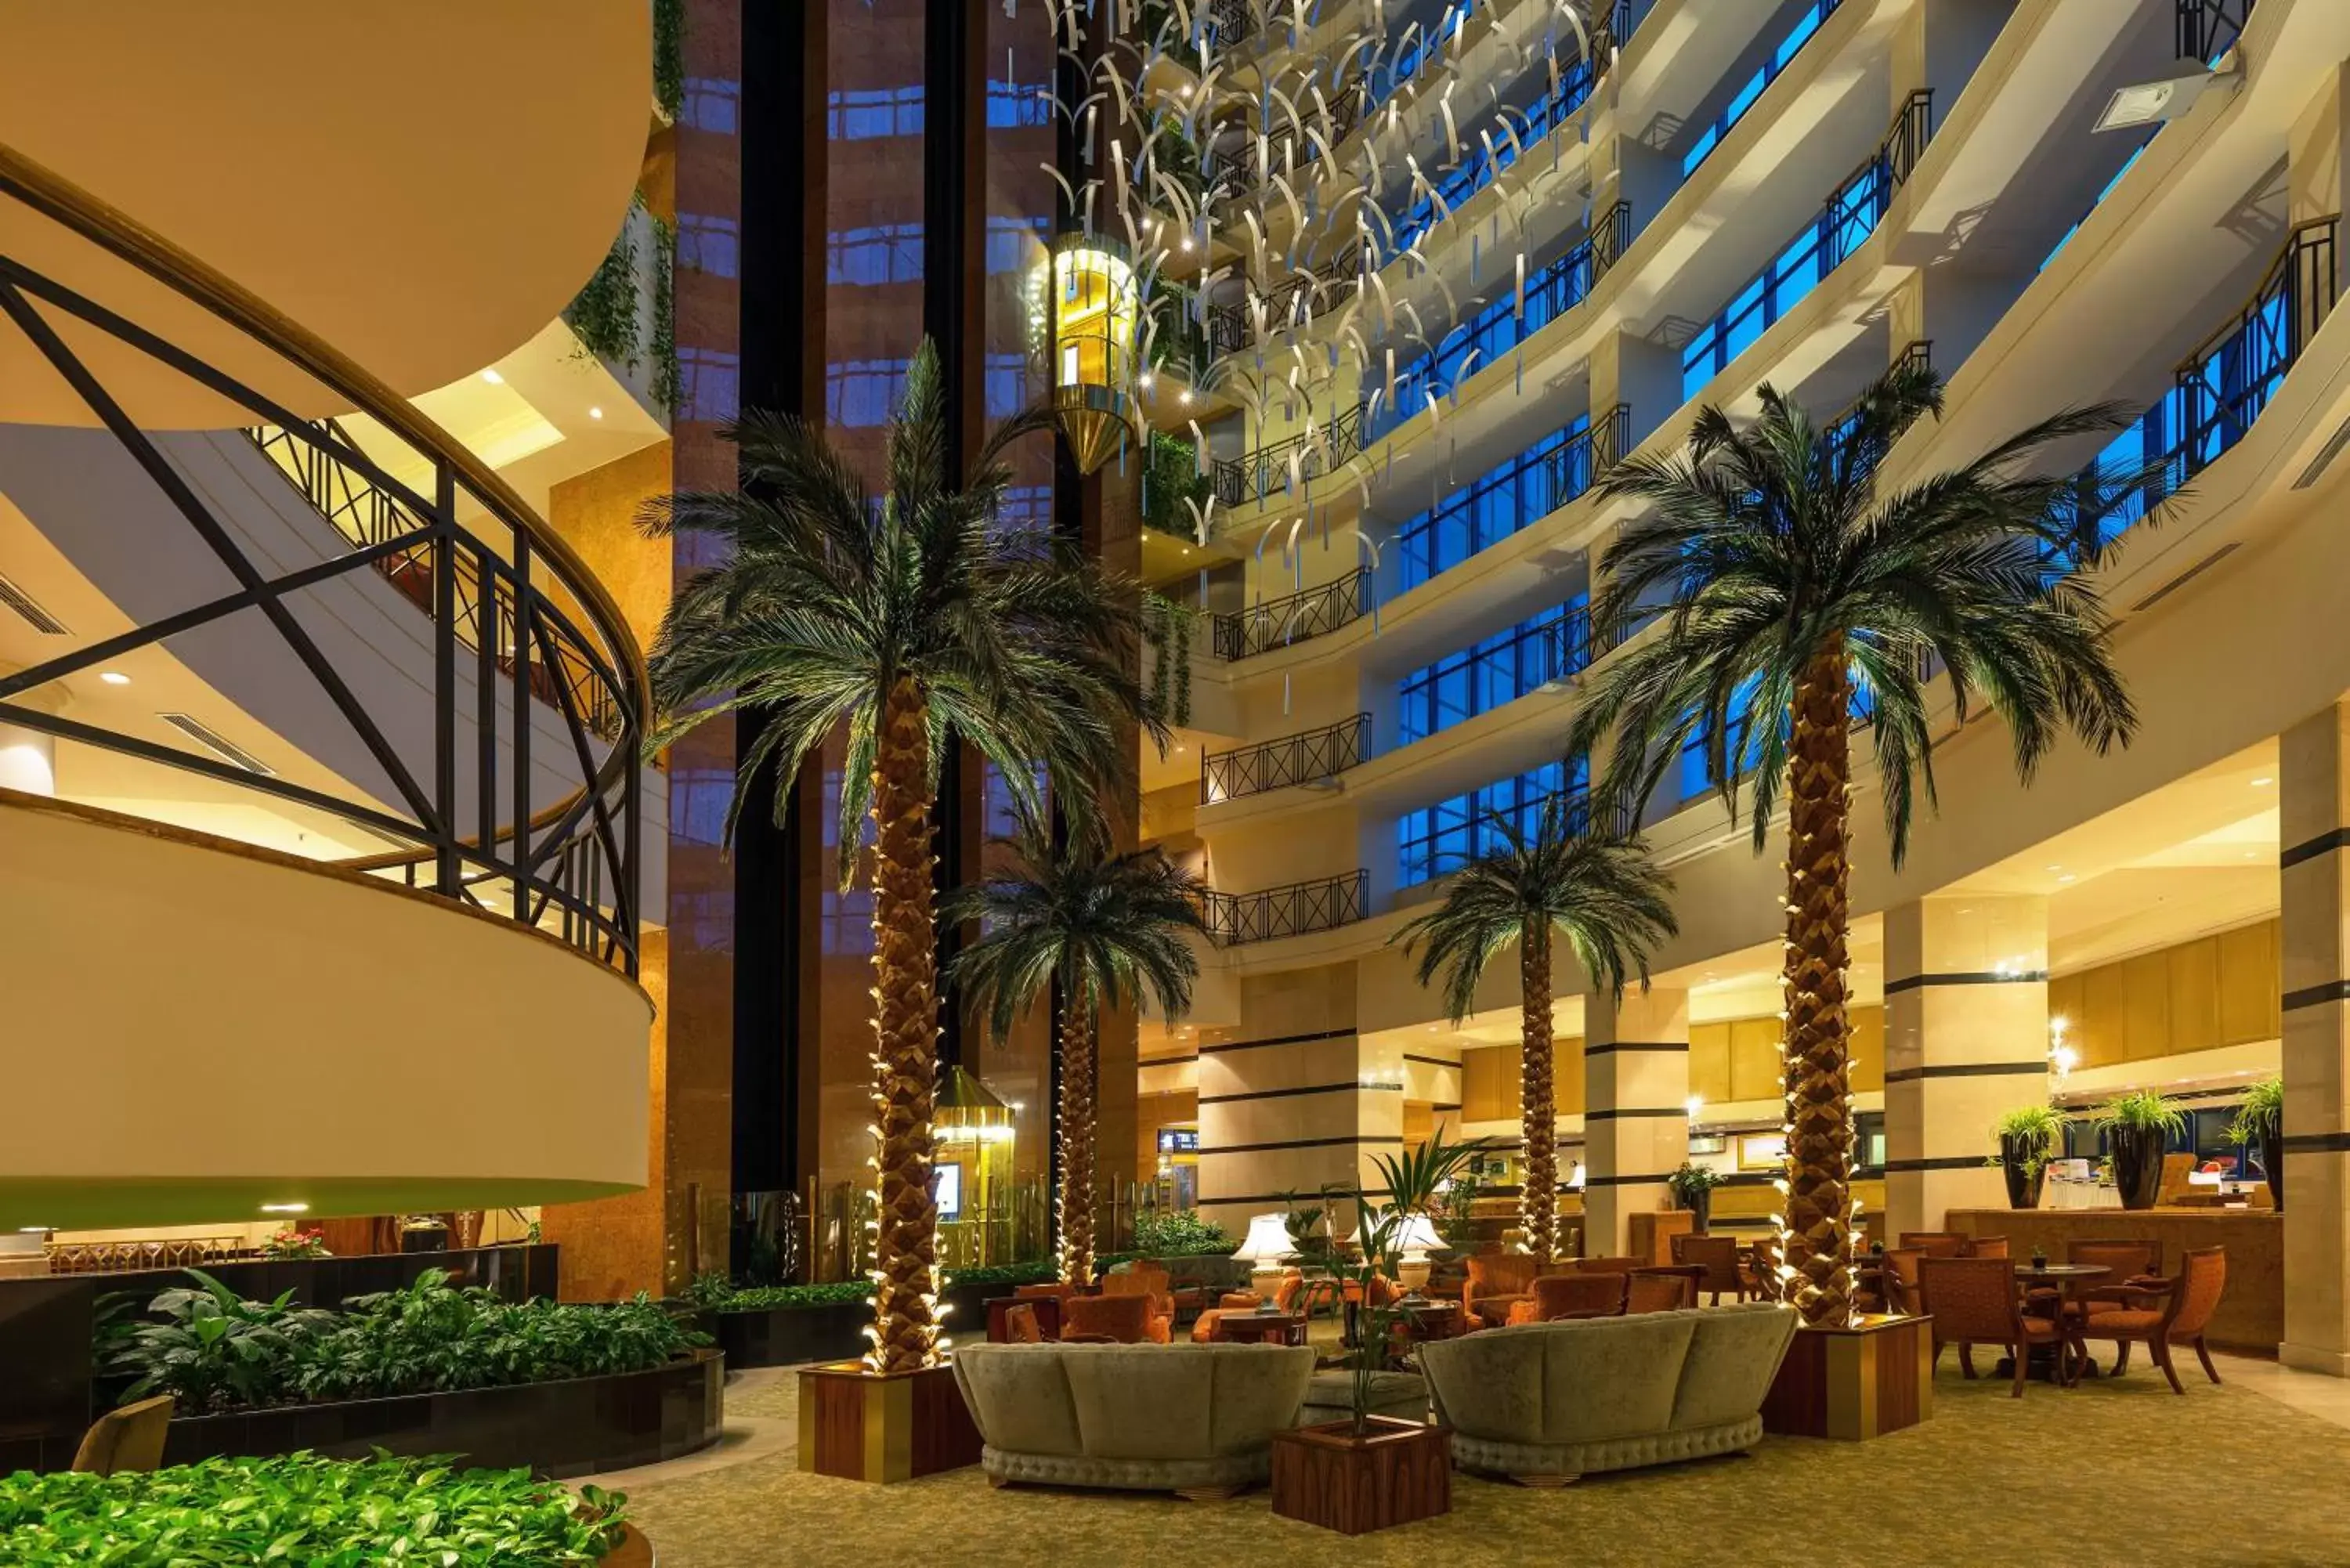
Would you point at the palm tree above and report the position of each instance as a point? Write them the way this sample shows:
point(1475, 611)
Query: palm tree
point(902, 619)
point(1609, 900)
point(1799, 597)
point(1105, 929)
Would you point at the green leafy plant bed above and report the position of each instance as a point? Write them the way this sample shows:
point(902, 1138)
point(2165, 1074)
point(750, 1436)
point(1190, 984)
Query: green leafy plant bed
point(783, 1326)
point(303, 1509)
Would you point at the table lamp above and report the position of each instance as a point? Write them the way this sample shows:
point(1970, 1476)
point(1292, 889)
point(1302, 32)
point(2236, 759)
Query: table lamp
point(1416, 1238)
point(1267, 1244)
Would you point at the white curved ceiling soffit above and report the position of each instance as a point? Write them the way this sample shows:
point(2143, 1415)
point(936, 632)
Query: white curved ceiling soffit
point(424, 188)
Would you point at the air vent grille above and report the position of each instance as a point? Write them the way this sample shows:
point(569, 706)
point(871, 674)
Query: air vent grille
point(2185, 577)
point(220, 745)
point(22, 603)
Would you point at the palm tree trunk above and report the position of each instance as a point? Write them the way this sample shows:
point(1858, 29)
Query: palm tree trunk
point(905, 1061)
point(1817, 1058)
point(1074, 1203)
point(1538, 1188)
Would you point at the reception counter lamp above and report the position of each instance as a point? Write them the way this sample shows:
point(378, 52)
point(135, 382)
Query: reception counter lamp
point(1267, 1245)
point(1095, 310)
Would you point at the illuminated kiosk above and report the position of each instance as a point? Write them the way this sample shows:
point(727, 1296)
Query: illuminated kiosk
point(1095, 312)
point(973, 1166)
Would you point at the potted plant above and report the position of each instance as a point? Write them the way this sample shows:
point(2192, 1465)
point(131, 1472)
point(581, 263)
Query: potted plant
point(1368, 1471)
point(290, 1245)
point(1692, 1188)
point(2260, 1120)
point(2138, 1128)
point(2028, 1137)
point(424, 1233)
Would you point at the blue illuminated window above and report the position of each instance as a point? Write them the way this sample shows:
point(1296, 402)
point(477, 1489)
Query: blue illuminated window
point(710, 383)
point(1478, 167)
point(1441, 838)
point(2066, 237)
point(1496, 505)
point(1017, 104)
point(883, 252)
point(1551, 291)
point(1752, 89)
point(868, 114)
point(1502, 668)
point(1848, 218)
point(707, 243)
point(863, 392)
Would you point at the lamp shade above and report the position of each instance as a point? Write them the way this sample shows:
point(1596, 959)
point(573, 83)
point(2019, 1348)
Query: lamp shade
point(1268, 1241)
point(1418, 1235)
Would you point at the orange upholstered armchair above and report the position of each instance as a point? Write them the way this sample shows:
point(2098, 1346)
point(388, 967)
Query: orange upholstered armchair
point(1572, 1295)
point(1128, 1319)
point(1936, 1244)
point(1974, 1301)
point(1497, 1281)
point(1665, 1288)
point(2179, 1314)
point(1150, 1284)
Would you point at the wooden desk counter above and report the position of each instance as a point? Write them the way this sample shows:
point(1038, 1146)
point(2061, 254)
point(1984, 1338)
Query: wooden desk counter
point(2251, 1313)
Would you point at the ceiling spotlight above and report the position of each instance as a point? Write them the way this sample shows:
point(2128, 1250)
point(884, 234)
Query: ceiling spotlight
point(494, 378)
point(2263, 782)
point(594, 413)
point(2068, 876)
point(1695, 1106)
point(114, 677)
point(1186, 398)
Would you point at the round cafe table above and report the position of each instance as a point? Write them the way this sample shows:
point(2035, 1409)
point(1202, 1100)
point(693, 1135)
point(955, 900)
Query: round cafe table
point(1262, 1327)
point(2063, 1278)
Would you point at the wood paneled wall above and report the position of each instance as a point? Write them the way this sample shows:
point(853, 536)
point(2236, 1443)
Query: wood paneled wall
point(2219, 989)
point(1738, 1058)
point(1491, 1083)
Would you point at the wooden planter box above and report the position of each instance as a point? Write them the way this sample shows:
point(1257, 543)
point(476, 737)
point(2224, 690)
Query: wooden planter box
point(872, 1426)
point(1399, 1472)
point(1856, 1383)
point(789, 1336)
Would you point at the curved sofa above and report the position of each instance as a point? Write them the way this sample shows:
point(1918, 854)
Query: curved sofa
point(1547, 1402)
point(1194, 1419)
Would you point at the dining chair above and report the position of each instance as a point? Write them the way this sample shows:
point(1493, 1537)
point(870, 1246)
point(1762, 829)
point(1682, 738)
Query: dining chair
point(1986, 1246)
point(1665, 1287)
point(1761, 1267)
point(1975, 1300)
point(1718, 1257)
point(2178, 1315)
point(1936, 1244)
point(2129, 1259)
point(1572, 1295)
point(1901, 1279)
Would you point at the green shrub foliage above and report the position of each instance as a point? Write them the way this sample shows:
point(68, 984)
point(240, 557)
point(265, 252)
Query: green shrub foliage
point(303, 1510)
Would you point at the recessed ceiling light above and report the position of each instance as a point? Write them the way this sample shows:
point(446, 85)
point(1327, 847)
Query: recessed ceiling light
point(594, 413)
point(285, 1209)
point(2263, 782)
point(34, 1229)
point(114, 677)
point(2068, 876)
point(494, 378)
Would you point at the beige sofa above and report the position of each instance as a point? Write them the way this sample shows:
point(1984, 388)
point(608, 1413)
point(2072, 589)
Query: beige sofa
point(1546, 1402)
point(1194, 1419)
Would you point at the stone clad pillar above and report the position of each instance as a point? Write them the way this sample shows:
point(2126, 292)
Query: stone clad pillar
point(1636, 1109)
point(1966, 1038)
point(2313, 891)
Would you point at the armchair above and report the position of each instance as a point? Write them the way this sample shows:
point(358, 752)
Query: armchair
point(1150, 1284)
point(1669, 1287)
point(1976, 1301)
point(1572, 1295)
point(1128, 1319)
point(1497, 1281)
point(2180, 1312)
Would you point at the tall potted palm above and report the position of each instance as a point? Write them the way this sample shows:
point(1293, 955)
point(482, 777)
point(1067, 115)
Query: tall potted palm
point(1106, 928)
point(1610, 902)
point(1798, 598)
point(900, 618)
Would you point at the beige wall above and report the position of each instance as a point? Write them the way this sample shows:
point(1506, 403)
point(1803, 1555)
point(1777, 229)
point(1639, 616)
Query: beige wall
point(596, 512)
point(2199, 995)
point(197, 1028)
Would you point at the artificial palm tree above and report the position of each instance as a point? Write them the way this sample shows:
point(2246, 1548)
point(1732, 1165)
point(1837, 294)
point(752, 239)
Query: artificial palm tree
point(1610, 901)
point(899, 619)
point(1799, 596)
point(1105, 929)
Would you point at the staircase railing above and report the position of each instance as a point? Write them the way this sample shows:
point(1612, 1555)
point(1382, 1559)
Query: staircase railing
point(531, 605)
point(1302, 758)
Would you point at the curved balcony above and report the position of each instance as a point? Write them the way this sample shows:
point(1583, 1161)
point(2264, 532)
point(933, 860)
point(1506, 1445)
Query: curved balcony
point(383, 831)
point(1277, 623)
point(1310, 756)
point(1293, 910)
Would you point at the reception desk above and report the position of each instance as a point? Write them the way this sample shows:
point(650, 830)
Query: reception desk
point(2251, 1313)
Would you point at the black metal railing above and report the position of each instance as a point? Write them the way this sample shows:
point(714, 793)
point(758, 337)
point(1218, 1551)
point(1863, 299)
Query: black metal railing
point(1612, 28)
point(1292, 302)
point(1233, 918)
point(1296, 759)
point(1611, 236)
point(1273, 470)
point(1904, 139)
point(2231, 375)
point(368, 515)
point(518, 627)
point(1277, 623)
point(2209, 28)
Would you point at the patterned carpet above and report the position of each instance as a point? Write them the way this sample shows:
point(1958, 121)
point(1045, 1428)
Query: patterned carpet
point(2111, 1473)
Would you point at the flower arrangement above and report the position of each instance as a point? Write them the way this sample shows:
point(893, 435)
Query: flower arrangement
point(288, 1245)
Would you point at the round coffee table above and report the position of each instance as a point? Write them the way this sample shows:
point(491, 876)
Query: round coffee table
point(1246, 1327)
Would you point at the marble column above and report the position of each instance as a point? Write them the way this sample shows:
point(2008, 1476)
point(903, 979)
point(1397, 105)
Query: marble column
point(2314, 894)
point(1636, 1109)
point(1966, 1038)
